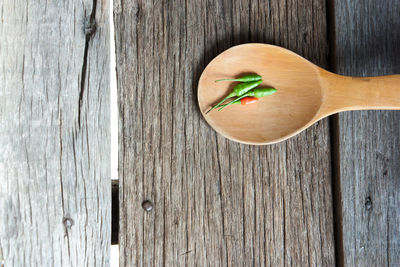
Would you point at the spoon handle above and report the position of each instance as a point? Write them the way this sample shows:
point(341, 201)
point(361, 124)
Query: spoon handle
point(350, 93)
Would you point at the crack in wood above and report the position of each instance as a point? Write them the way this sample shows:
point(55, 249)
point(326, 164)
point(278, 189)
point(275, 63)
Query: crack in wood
point(89, 29)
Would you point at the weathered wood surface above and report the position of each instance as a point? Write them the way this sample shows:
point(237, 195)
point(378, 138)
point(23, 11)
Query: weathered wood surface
point(215, 202)
point(55, 197)
point(367, 44)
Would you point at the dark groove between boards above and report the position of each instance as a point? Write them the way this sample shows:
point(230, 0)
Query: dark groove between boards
point(336, 190)
point(114, 211)
point(335, 143)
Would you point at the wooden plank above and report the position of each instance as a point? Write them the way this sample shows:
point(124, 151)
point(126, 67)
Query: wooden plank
point(215, 202)
point(367, 44)
point(55, 197)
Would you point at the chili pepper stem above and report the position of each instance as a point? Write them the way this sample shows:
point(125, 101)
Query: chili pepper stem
point(222, 101)
point(235, 80)
point(234, 102)
point(230, 103)
point(245, 78)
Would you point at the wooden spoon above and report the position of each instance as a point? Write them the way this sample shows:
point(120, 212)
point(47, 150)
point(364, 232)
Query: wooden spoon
point(305, 94)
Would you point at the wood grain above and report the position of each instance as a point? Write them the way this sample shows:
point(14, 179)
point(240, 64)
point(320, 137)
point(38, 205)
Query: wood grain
point(215, 202)
point(55, 197)
point(366, 44)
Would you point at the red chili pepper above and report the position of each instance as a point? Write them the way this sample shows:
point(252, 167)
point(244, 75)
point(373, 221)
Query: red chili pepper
point(248, 100)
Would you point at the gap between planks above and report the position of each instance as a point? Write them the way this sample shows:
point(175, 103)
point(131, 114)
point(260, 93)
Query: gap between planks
point(334, 138)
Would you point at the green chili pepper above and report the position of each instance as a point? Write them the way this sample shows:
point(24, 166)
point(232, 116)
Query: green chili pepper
point(243, 88)
point(258, 92)
point(246, 78)
point(261, 92)
point(238, 90)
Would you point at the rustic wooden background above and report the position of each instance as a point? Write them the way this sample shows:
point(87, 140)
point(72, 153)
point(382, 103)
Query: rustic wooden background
point(55, 197)
point(367, 43)
point(329, 196)
point(216, 202)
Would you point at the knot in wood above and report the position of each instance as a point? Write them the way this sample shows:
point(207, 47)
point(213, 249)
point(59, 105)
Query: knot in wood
point(90, 26)
point(68, 222)
point(368, 203)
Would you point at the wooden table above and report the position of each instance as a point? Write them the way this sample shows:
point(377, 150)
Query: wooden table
point(329, 196)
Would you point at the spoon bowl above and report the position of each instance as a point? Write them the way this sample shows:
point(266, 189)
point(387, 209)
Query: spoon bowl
point(305, 94)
